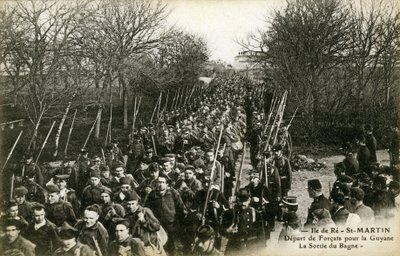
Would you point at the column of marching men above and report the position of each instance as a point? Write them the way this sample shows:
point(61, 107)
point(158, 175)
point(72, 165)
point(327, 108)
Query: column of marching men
point(179, 186)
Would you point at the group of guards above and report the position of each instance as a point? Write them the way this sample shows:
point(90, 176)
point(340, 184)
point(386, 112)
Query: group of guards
point(173, 185)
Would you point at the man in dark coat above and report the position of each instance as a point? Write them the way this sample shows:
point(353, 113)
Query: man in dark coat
point(350, 163)
point(57, 210)
point(381, 201)
point(168, 208)
point(125, 244)
point(13, 239)
point(69, 244)
point(91, 231)
point(284, 168)
point(363, 155)
point(24, 207)
point(370, 143)
point(314, 189)
point(242, 226)
point(142, 222)
point(79, 174)
point(42, 232)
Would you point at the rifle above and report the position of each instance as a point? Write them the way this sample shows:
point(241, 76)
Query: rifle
point(97, 246)
point(11, 151)
point(44, 142)
point(291, 120)
point(154, 110)
point(211, 177)
point(108, 135)
point(158, 108)
point(69, 133)
point(90, 132)
point(103, 156)
point(282, 110)
point(238, 179)
point(12, 186)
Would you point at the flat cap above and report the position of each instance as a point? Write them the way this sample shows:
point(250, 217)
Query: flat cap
point(67, 232)
point(21, 191)
point(131, 196)
point(52, 189)
point(314, 184)
point(205, 232)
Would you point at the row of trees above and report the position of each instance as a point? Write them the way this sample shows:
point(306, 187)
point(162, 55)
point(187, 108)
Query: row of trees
point(54, 51)
point(338, 60)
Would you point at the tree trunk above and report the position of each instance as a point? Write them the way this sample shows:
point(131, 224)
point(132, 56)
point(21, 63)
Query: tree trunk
point(57, 139)
point(32, 142)
point(124, 100)
point(98, 123)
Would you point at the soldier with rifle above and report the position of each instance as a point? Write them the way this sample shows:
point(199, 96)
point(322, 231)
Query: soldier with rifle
point(241, 226)
point(284, 168)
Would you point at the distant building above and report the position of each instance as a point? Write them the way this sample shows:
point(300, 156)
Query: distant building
point(246, 62)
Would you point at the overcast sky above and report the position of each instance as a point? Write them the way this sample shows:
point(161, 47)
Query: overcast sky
point(220, 22)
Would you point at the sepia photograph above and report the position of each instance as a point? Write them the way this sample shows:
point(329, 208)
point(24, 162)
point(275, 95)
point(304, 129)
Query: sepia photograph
point(199, 127)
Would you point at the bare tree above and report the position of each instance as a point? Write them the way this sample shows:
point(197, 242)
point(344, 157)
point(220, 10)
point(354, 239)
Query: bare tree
point(119, 31)
point(40, 57)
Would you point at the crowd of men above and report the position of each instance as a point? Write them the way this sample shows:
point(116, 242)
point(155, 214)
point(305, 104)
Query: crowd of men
point(177, 185)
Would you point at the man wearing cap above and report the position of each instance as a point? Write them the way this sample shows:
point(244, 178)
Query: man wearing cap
point(142, 173)
point(92, 232)
point(270, 176)
point(58, 210)
point(91, 193)
point(67, 194)
point(168, 171)
point(284, 168)
point(314, 189)
point(109, 210)
point(370, 143)
point(217, 174)
point(13, 214)
point(79, 175)
point(190, 178)
point(351, 165)
point(119, 173)
point(135, 154)
point(216, 205)
point(124, 243)
point(116, 151)
point(14, 240)
point(24, 207)
point(149, 155)
point(381, 201)
point(32, 169)
point(70, 246)
point(366, 213)
point(105, 175)
point(42, 232)
point(35, 192)
point(241, 225)
point(142, 222)
point(168, 207)
point(150, 183)
point(260, 199)
point(363, 155)
point(205, 242)
point(119, 196)
point(165, 142)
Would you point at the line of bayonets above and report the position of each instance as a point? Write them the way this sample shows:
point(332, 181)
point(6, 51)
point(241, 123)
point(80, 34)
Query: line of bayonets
point(182, 97)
